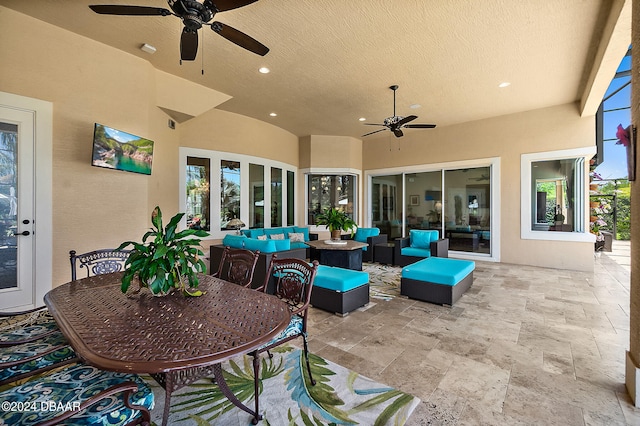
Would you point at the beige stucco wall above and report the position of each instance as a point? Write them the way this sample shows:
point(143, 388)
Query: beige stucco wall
point(100, 208)
point(334, 152)
point(507, 137)
point(219, 130)
point(92, 207)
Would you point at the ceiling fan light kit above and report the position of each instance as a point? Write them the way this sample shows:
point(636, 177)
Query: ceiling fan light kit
point(194, 15)
point(396, 122)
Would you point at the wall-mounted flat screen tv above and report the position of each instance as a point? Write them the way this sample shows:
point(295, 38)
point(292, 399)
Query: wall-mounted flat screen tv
point(115, 149)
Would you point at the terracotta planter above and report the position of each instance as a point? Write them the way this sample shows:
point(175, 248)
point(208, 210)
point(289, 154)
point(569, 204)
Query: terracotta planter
point(593, 218)
point(593, 186)
point(594, 204)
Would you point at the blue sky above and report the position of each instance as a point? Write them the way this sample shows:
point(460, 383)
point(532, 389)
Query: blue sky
point(615, 156)
point(120, 136)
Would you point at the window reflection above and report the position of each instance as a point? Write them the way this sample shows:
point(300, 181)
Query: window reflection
point(198, 193)
point(326, 191)
point(556, 194)
point(229, 192)
point(276, 197)
point(467, 209)
point(290, 198)
point(386, 205)
point(256, 196)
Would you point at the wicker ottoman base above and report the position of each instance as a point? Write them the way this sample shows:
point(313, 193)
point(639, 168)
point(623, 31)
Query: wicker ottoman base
point(435, 293)
point(340, 302)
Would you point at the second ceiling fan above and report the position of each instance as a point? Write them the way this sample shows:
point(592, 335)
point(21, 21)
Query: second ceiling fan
point(194, 15)
point(397, 122)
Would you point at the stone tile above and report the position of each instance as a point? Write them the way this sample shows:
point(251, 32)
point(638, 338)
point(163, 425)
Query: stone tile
point(476, 414)
point(631, 413)
point(442, 408)
point(557, 364)
point(532, 407)
point(411, 372)
point(524, 346)
point(563, 389)
point(478, 381)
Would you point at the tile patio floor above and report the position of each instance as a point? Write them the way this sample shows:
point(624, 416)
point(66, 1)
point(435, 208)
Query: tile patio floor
point(524, 346)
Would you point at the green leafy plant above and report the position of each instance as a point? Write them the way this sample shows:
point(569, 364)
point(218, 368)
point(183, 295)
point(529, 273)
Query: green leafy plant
point(336, 220)
point(168, 260)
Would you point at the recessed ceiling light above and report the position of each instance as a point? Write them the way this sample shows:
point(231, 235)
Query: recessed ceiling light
point(504, 84)
point(415, 106)
point(148, 48)
point(361, 119)
point(273, 114)
point(264, 70)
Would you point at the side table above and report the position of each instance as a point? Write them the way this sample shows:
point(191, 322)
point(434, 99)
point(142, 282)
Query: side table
point(383, 253)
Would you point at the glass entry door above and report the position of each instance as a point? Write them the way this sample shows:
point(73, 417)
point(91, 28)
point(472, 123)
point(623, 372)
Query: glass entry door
point(16, 208)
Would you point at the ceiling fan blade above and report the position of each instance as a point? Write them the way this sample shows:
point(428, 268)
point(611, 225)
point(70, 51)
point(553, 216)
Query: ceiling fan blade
point(406, 120)
point(375, 131)
point(420, 126)
point(240, 38)
point(222, 5)
point(118, 9)
point(188, 44)
point(398, 133)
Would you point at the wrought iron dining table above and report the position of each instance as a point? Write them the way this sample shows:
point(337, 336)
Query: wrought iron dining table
point(174, 338)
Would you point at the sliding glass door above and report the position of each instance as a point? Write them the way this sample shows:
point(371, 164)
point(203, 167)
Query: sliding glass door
point(386, 205)
point(467, 200)
point(455, 202)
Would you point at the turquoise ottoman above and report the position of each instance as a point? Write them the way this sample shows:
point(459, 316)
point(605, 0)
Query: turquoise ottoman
point(437, 279)
point(339, 290)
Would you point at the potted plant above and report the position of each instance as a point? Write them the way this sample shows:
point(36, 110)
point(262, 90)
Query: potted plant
point(336, 220)
point(169, 260)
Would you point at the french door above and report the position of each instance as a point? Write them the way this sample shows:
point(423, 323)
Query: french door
point(23, 247)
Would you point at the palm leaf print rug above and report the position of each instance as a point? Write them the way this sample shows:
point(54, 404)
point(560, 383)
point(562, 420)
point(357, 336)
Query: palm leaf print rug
point(340, 396)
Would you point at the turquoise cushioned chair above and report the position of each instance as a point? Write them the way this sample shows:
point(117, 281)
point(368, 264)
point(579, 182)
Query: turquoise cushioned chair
point(371, 236)
point(420, 244)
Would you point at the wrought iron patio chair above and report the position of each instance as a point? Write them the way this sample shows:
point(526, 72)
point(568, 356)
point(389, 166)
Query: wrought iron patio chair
point(237, 266)
point(98, 262)
point(291, 280)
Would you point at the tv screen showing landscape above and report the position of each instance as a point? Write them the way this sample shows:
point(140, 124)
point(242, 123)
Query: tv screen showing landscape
point(115, 149)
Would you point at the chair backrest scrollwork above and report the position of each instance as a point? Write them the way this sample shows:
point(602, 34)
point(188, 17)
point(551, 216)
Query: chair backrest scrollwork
point(98, 262)
point(237, 266)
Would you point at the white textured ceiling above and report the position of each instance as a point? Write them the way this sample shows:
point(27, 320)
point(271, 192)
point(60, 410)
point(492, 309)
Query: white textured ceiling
point(332, 61)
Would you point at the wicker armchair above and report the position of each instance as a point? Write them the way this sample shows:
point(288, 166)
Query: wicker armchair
point(98, 262)
point(291, 280)
point(237, 266)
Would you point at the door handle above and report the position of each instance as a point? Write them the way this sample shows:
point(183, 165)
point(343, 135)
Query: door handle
point(25, 233)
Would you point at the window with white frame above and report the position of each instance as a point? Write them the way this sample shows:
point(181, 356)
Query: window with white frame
point(554, 195)
point(328, 190)
point(232, 186)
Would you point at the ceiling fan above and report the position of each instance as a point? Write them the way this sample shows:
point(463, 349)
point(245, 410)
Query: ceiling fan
point(397, 122)
point(194, 15)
